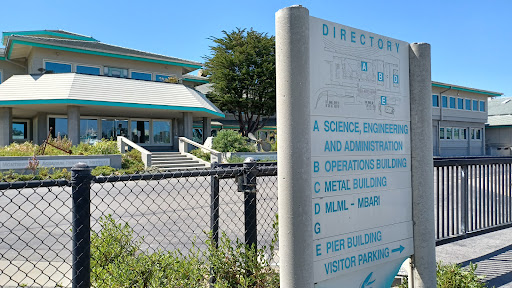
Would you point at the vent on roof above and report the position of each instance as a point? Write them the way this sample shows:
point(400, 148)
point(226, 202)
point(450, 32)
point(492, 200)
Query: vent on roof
point(506, 101)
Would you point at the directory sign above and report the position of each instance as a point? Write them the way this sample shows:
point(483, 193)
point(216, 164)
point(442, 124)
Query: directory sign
point(361, 156)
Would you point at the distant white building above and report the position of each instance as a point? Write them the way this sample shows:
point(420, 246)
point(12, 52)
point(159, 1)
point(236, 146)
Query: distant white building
point(459, 115)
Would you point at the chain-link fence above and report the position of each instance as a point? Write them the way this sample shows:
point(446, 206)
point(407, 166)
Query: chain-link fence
point(124, 230)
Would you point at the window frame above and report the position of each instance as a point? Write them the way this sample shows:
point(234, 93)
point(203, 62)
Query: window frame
point(475, 104)
point(58, 62)
point(142, 72)
point(160, 74)
point(480, 106)
point(466, 106)
point(441, 133)
point(434, 96)
point(454, 106)
point(27, 121)
point(444, 101)
point(460, 100)
point(87, 65)
point(118, 68)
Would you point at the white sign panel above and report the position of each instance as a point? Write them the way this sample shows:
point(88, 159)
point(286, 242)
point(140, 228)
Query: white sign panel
point(361, 156)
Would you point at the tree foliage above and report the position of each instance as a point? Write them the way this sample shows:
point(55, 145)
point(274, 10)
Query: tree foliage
point(242, 70)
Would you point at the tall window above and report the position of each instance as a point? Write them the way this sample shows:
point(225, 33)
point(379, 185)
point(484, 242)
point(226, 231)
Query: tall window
point(54, 67)
point(448, 133)
point(19, 130)
point(475, 105)
point(161, 132)
point(445, 101)
point(59, 127)
point(468, 104)
point(441, 133)
point(87, 70)
point(482, 106)
point(460, 103)
point(452, 102)
point(435, 101)
point(89, 131)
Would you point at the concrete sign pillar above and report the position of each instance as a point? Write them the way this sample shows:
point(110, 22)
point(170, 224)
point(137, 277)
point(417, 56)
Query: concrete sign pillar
point(345, 129)
point(41, 127)
point(294, 157)
point(74, 124)
point(5, 126)
point(187, 125)
point(423, 262)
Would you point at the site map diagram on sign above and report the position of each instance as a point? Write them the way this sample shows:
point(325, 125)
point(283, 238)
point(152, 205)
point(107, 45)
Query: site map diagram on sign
point(361, 155)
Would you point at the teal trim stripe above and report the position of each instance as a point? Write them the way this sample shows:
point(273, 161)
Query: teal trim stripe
point(98, 53)
point(49, 33)
point(196, 80)
point(467, 90)
point(108, 104)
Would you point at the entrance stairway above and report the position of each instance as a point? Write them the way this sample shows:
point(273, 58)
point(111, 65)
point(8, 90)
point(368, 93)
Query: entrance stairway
point(175, 161)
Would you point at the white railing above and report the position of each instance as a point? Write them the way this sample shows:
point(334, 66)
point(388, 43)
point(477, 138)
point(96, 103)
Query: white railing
point(122, 142)
point(215, 156)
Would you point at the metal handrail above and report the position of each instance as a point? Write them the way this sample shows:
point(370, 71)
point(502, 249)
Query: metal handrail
point(215, 156)
point(122, 142)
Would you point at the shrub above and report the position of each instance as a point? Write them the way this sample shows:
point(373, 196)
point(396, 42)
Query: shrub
point(453, 276)
point(101, 147)
point(199, 153)
point(132, 162)
point(117, 261)
point(235, 159)
point(103, 171)
point(231, 141)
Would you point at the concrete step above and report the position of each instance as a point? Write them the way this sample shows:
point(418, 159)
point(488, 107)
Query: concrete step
point(173, 161)
point(179, 165)
point(166, 153)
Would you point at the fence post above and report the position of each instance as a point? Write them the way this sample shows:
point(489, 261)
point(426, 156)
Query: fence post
point(214, 214)
point(250, 173)
point(464, 199)
point(81, 225)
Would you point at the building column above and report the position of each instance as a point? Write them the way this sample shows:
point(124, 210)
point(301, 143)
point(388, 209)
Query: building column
point(207, 128)
point(41, 129)
point(74, 124)
point(5, 126)
point(187, 125)
point(175, 133)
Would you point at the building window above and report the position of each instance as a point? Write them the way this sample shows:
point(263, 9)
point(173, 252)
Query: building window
point(140, 131)
point(475, 105)
point(53, 67)
point(435, 101)
point(441, 133)
point(115, 72)
point(162, 78)
point(448, 133)
point(468, 104)
point(59, 127)
point(80, 69)
point(141, 76)
point(482, 106)
point(89, 131)
point(463, 134)
point(445, 101)
point(460, 103)
point(19, 130)
point(456, 133)
point(478, 132)
point(452, 102)
point(161, 132)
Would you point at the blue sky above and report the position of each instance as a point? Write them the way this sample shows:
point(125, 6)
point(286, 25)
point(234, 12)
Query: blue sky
point(471, 40)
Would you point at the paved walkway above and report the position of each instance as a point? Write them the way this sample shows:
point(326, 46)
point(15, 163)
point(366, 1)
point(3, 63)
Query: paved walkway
point(492, 253)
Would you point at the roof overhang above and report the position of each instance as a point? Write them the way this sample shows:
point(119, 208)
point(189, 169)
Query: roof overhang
point(20, 48)
point(48, 33)
point(103, 96)
point(467, 89)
